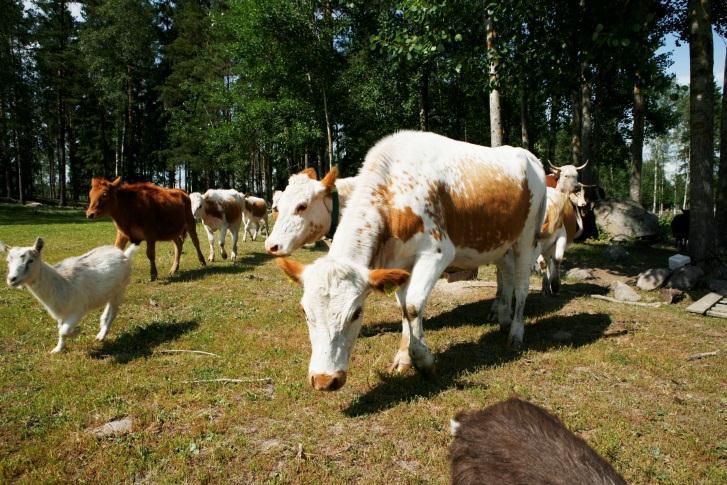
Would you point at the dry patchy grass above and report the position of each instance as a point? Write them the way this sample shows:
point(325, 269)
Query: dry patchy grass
point(616, 375)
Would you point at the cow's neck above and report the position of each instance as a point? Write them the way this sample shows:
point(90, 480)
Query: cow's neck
point(361, 232)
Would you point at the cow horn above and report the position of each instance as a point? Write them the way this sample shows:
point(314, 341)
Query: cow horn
point(553, 167)
point(586, 185)
point(582, 166)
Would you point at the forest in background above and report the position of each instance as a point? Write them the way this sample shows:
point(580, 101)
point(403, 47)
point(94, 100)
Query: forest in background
point(242, 93)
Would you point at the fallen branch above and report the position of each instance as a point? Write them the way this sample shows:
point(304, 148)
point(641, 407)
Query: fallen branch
point(655, 304)
point(702, 355)
point(180, 351)
point(265, 380)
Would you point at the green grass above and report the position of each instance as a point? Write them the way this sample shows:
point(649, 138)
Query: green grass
point(632, 395)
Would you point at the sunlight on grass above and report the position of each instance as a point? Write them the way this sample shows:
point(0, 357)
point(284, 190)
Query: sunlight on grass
point(633, 396)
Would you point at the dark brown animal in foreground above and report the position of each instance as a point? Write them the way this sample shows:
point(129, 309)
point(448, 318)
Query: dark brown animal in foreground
point(145, 212)
point(515, 442)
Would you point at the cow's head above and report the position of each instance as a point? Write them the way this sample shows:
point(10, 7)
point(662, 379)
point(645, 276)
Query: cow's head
point(304, 212)
point(102, 197)
point(23, 263)
point(333, 297)
point(567, 176)
point(197, 200)
point(274, 206)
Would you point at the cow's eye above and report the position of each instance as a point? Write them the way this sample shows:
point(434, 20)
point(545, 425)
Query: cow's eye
point(301, 208)
point(356, 314)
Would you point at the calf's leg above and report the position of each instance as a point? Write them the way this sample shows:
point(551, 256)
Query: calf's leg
point(235, 231)
point(178, 242)
point(192, 230)
point(211, 240)
point(121, 240)
point(223, 236)
point(66, 328)
point(108, 316)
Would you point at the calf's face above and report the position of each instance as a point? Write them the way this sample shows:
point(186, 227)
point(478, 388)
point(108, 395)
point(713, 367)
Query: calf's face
point(303, 213)
point(197, 205)
point(102, 197)
point(333, 296)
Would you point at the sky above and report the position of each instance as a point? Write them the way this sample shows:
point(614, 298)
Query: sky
point(680, 58)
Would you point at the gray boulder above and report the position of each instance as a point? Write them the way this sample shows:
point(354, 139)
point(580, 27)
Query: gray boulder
point(616, 253)
point(651, 279)
point(718, 286)
point(623, 292)
point(686, 277)
point(579, 274)
point(624, 220)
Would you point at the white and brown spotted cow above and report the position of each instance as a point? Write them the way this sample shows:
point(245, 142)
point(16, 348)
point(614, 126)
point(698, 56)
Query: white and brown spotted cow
point(255, 211)
point(422, 202)
point(562, 225)
point(219, 209)
point(304, 211)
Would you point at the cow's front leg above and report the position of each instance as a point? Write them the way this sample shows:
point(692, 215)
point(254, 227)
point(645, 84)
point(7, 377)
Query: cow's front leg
point(151, 254)
point(505, 270)
point(412, 299)
point(246, 228)
point(223, 235)
point(211, 240)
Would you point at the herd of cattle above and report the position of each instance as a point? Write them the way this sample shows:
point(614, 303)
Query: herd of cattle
point(421, 204)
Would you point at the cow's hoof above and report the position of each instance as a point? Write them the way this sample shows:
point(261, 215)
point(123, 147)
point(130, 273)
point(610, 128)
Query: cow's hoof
point(429, 372)
point(514, 343)
point(153, 277)
point(202, 261)
point(400, 368)
point(224, 255)
point(56, 350)
point(211, 259)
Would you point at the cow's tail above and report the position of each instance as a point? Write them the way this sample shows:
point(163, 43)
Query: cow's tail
point(131, 251)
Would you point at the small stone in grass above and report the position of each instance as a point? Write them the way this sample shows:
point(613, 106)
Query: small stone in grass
point(623, 292)
point(117, 427)
point(579, 274)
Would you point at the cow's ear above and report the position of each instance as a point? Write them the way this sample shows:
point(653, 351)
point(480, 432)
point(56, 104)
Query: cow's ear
point(4, 248)
point(116, 182)
point(329, 181)
point(97, 181)
point(385, 280)
point(39, 243)
point(310, 172)
point(293, 269)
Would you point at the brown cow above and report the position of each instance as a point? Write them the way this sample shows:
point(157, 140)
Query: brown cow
point(145, 212)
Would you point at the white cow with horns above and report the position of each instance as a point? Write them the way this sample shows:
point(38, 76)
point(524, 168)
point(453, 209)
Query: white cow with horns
point(422, 202)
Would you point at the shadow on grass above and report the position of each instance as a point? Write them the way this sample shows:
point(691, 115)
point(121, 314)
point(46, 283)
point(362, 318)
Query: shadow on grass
point(16, 214)
point(141, 341)
point(463, 358)
point(477, 313)
point(245, 262)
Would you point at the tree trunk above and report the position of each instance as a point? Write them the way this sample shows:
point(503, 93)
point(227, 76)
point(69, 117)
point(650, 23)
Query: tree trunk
point(586, 124)
point(576, 126)
point(687, 188)
point(424, 100)
point(329, 132)
point(553, 126)
point(637, 144)
point(495, 109)
point(656, 181)
point(721, 216)
point(524, 115)
point(701, 130)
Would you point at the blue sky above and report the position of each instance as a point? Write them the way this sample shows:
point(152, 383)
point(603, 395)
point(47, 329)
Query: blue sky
point(680, 57)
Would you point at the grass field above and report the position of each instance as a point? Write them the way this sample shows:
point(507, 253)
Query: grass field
point(616, 375)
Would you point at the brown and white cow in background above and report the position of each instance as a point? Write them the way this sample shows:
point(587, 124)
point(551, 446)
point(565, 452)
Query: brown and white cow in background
point(422, 202)
point(255, 211)
point(303, 213)
point(219, 209)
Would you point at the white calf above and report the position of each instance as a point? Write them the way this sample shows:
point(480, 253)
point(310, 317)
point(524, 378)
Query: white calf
point(219, 209)
point(73, 287)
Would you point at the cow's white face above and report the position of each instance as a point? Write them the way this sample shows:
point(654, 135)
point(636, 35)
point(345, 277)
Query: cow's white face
point(23, 263)
point(303, 213)
point(197, 205)
point(333, 298)
point(578, 198)
point(568, 179)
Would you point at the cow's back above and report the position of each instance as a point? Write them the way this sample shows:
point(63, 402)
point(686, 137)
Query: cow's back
point(480, 197)
point(148, 212)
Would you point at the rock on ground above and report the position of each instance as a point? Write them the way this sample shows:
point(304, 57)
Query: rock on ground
point(686, 277)
point(616, 253)
point(579, 274)
point(653, 278)
point(624, 220)
point(718, 286)
point(114, 428)
point(671, 295)
point(623, 292)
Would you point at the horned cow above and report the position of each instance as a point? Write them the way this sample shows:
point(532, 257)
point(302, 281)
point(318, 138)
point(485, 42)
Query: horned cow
point(422, 203)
